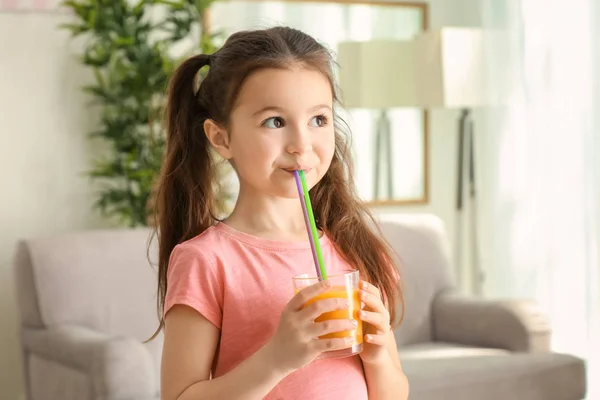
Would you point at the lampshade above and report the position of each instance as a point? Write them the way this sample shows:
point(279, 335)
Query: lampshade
point(437, 68)
point(377, 74)
point(451, 68)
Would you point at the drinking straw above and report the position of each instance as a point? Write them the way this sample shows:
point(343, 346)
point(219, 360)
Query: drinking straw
point(311, 226)
point(307, 222)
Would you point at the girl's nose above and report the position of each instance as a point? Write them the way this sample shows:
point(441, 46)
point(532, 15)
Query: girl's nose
point(299, 140)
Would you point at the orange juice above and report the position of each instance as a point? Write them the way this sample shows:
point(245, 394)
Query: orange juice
point(350, 313)
point(344, 285)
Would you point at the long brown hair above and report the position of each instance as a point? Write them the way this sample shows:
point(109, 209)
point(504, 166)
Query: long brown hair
point(185, 195)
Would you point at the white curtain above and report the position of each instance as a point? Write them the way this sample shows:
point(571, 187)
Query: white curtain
point(539, 182)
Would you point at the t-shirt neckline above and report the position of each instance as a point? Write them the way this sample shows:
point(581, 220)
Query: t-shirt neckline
point(267, 243)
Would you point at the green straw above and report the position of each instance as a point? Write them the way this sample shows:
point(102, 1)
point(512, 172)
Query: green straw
point(313, 225)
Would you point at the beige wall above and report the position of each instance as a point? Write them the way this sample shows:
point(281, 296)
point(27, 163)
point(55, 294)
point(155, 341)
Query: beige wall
point(43, 149)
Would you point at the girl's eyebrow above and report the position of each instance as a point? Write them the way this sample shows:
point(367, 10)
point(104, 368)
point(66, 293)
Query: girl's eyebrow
point(320, 107)
point(279, 109)
point(268, 108)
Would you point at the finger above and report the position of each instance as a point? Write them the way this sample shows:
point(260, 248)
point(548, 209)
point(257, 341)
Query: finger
point(321, 345)
point(312, 311)
point(375, 319)
point(369, 287)
point(372, 301)
point(332, 326)
point(304, 295)
point(379, 340)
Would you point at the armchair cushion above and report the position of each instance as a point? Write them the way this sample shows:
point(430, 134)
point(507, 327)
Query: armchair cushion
point(437, 350)
point(117, 367)
point(516, 376)
point(511, 325)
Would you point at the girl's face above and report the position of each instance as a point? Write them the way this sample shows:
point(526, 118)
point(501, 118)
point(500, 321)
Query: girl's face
point(282, 121)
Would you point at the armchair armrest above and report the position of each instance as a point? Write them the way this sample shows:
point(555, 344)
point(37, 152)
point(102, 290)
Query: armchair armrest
point(118, 367)
point(516, 325)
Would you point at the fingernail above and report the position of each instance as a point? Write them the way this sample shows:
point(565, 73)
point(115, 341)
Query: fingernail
point(354, 323)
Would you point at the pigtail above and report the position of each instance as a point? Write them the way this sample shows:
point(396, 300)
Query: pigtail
point(185, 199)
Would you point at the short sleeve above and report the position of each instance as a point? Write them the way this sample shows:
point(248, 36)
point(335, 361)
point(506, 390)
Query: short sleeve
point(193, 280)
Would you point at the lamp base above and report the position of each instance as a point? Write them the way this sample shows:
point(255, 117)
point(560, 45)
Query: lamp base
point(382, 156)
point(466, 165)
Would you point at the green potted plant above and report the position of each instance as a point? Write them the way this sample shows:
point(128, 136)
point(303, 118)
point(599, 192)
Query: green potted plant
point(130, 48)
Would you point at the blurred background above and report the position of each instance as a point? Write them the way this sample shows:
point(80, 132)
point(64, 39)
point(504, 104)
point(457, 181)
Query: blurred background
point(481, 113)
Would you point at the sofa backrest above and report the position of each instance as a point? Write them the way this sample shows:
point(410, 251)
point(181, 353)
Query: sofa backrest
point(100, 279)
point(423, 254)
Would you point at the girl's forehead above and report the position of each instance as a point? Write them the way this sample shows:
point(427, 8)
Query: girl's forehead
point(285, 88)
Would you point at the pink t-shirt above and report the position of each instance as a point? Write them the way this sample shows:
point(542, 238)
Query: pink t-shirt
point(241, 283)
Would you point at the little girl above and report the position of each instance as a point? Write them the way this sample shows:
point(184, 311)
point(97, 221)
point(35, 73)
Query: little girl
point(233, 328)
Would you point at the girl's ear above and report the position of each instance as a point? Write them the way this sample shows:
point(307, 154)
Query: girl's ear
point(218, 138)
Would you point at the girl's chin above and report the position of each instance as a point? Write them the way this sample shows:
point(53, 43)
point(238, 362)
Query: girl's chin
point(289, 190)
point(286, 193)
point(281, 185)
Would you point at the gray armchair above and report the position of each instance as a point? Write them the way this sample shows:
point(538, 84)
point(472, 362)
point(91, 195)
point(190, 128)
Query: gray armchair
point(87, 302)
point(455, 347)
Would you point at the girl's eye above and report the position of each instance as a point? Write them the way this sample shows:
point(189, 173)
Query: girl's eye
point(319, 121)
point(273, 123)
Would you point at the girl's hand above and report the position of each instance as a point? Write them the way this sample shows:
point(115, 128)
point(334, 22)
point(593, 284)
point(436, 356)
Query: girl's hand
point(296, 342)
point(376, 324)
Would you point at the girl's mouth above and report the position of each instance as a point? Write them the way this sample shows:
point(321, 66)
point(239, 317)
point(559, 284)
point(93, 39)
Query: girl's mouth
point(291, 170)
